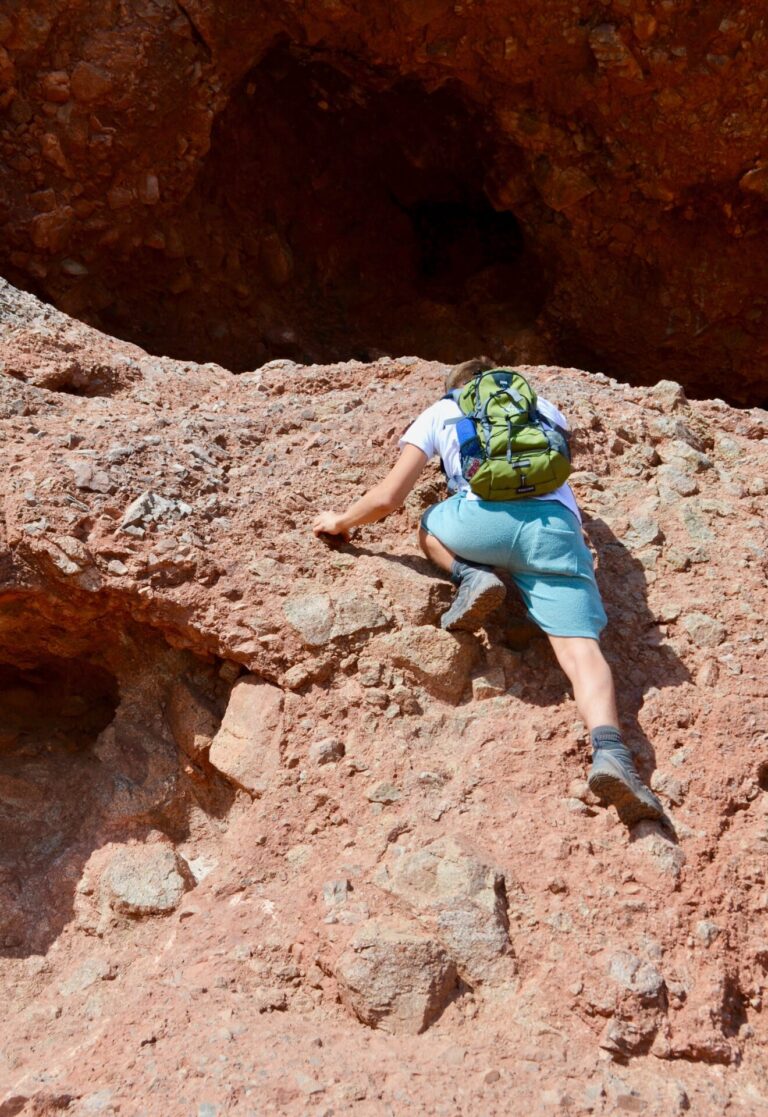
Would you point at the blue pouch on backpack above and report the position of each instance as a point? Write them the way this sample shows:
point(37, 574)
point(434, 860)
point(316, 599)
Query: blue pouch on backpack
point(470, 449)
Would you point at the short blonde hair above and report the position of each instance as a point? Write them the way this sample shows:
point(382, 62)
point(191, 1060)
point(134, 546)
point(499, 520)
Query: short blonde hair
point(463, 373)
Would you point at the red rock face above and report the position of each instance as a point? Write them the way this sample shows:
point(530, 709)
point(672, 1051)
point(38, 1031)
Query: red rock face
point(236, 183)
point(271, 839)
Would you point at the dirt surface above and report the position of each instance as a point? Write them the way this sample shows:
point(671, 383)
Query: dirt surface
point(321, 180)
point(273, 842)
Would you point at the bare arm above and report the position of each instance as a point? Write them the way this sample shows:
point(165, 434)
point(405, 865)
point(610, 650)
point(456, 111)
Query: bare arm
point(379, 501)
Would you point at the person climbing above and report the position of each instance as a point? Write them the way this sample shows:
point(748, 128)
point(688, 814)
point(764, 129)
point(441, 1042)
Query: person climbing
point(537, 538)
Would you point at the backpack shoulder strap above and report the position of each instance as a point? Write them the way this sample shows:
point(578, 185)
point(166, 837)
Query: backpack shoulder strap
point(545, 419)
point(454, 397)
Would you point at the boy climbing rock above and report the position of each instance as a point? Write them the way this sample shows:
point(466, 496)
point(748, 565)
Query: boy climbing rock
point(505, 454)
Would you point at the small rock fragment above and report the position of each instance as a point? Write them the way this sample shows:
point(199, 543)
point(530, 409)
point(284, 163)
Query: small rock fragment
point(327, 751)
point(563, 187)
point(665, 856)
point(149, 189)
point(35, 527)
point(320, 617)
point(91, 971)
point(88, 477)
point(491, 684)
point(612, 54)
point(636, 976)
point(668, 395)
point(705, 631)
point(383, 793)
point(668, 611)
point(463, 896)
point(644, 530)
point(755, 181)
point(707, 931)
point(312, 616)
point(89, 82)
point(669, 786)
point(191, 719)
point(152, 507)
point(276, 258)
point(55, 86)
point(336, 892)
point(673, 482)
point(684, 457)
point(579, 789)
point(269, 999)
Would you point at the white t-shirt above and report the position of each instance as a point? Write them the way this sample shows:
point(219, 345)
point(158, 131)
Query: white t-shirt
point(433, 434)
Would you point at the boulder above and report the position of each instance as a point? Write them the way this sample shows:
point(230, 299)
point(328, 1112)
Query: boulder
point(463, 898)
point(395, 977)
point(144, 879)
point(440, 661)
point(246, 749)
point(322, 617)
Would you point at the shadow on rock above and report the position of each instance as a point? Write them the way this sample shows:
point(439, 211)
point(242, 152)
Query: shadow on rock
point(632, 642)
point(93, 750)
point(640, 658)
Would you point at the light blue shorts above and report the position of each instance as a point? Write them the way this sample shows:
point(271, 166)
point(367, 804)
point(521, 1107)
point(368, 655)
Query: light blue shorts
point(540, 543)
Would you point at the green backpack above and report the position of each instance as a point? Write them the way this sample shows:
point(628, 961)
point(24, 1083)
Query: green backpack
point(508, 449)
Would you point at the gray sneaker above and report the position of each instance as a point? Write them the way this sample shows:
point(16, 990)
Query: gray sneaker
point(614, 780)
point(479, 593)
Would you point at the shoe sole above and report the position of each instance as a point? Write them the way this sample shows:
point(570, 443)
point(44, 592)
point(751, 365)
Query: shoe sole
point(610, 790)
point(483, 605)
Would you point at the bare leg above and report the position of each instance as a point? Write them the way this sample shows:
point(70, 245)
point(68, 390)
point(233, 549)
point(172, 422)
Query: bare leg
point(436, 551)
point(584, 663)
point(613, 776)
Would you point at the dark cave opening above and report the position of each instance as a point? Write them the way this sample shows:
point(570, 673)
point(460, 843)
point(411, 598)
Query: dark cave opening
point(52, 710)
point(72, 698)
point(339, 213)
point(337, 200)
point(457, 240)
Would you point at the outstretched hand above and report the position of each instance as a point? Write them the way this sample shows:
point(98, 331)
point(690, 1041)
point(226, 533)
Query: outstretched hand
point(327, 526)
point(378, 502)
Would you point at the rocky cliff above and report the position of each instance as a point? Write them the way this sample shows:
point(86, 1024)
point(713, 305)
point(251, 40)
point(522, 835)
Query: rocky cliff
point(273, 842)
point(321, 180)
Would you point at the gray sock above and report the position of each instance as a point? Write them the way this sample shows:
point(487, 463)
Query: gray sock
point(460, 568)
point(609, 738)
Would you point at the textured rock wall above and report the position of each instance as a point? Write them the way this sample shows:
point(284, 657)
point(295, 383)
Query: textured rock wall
point(271, 839)
point(237, 183)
